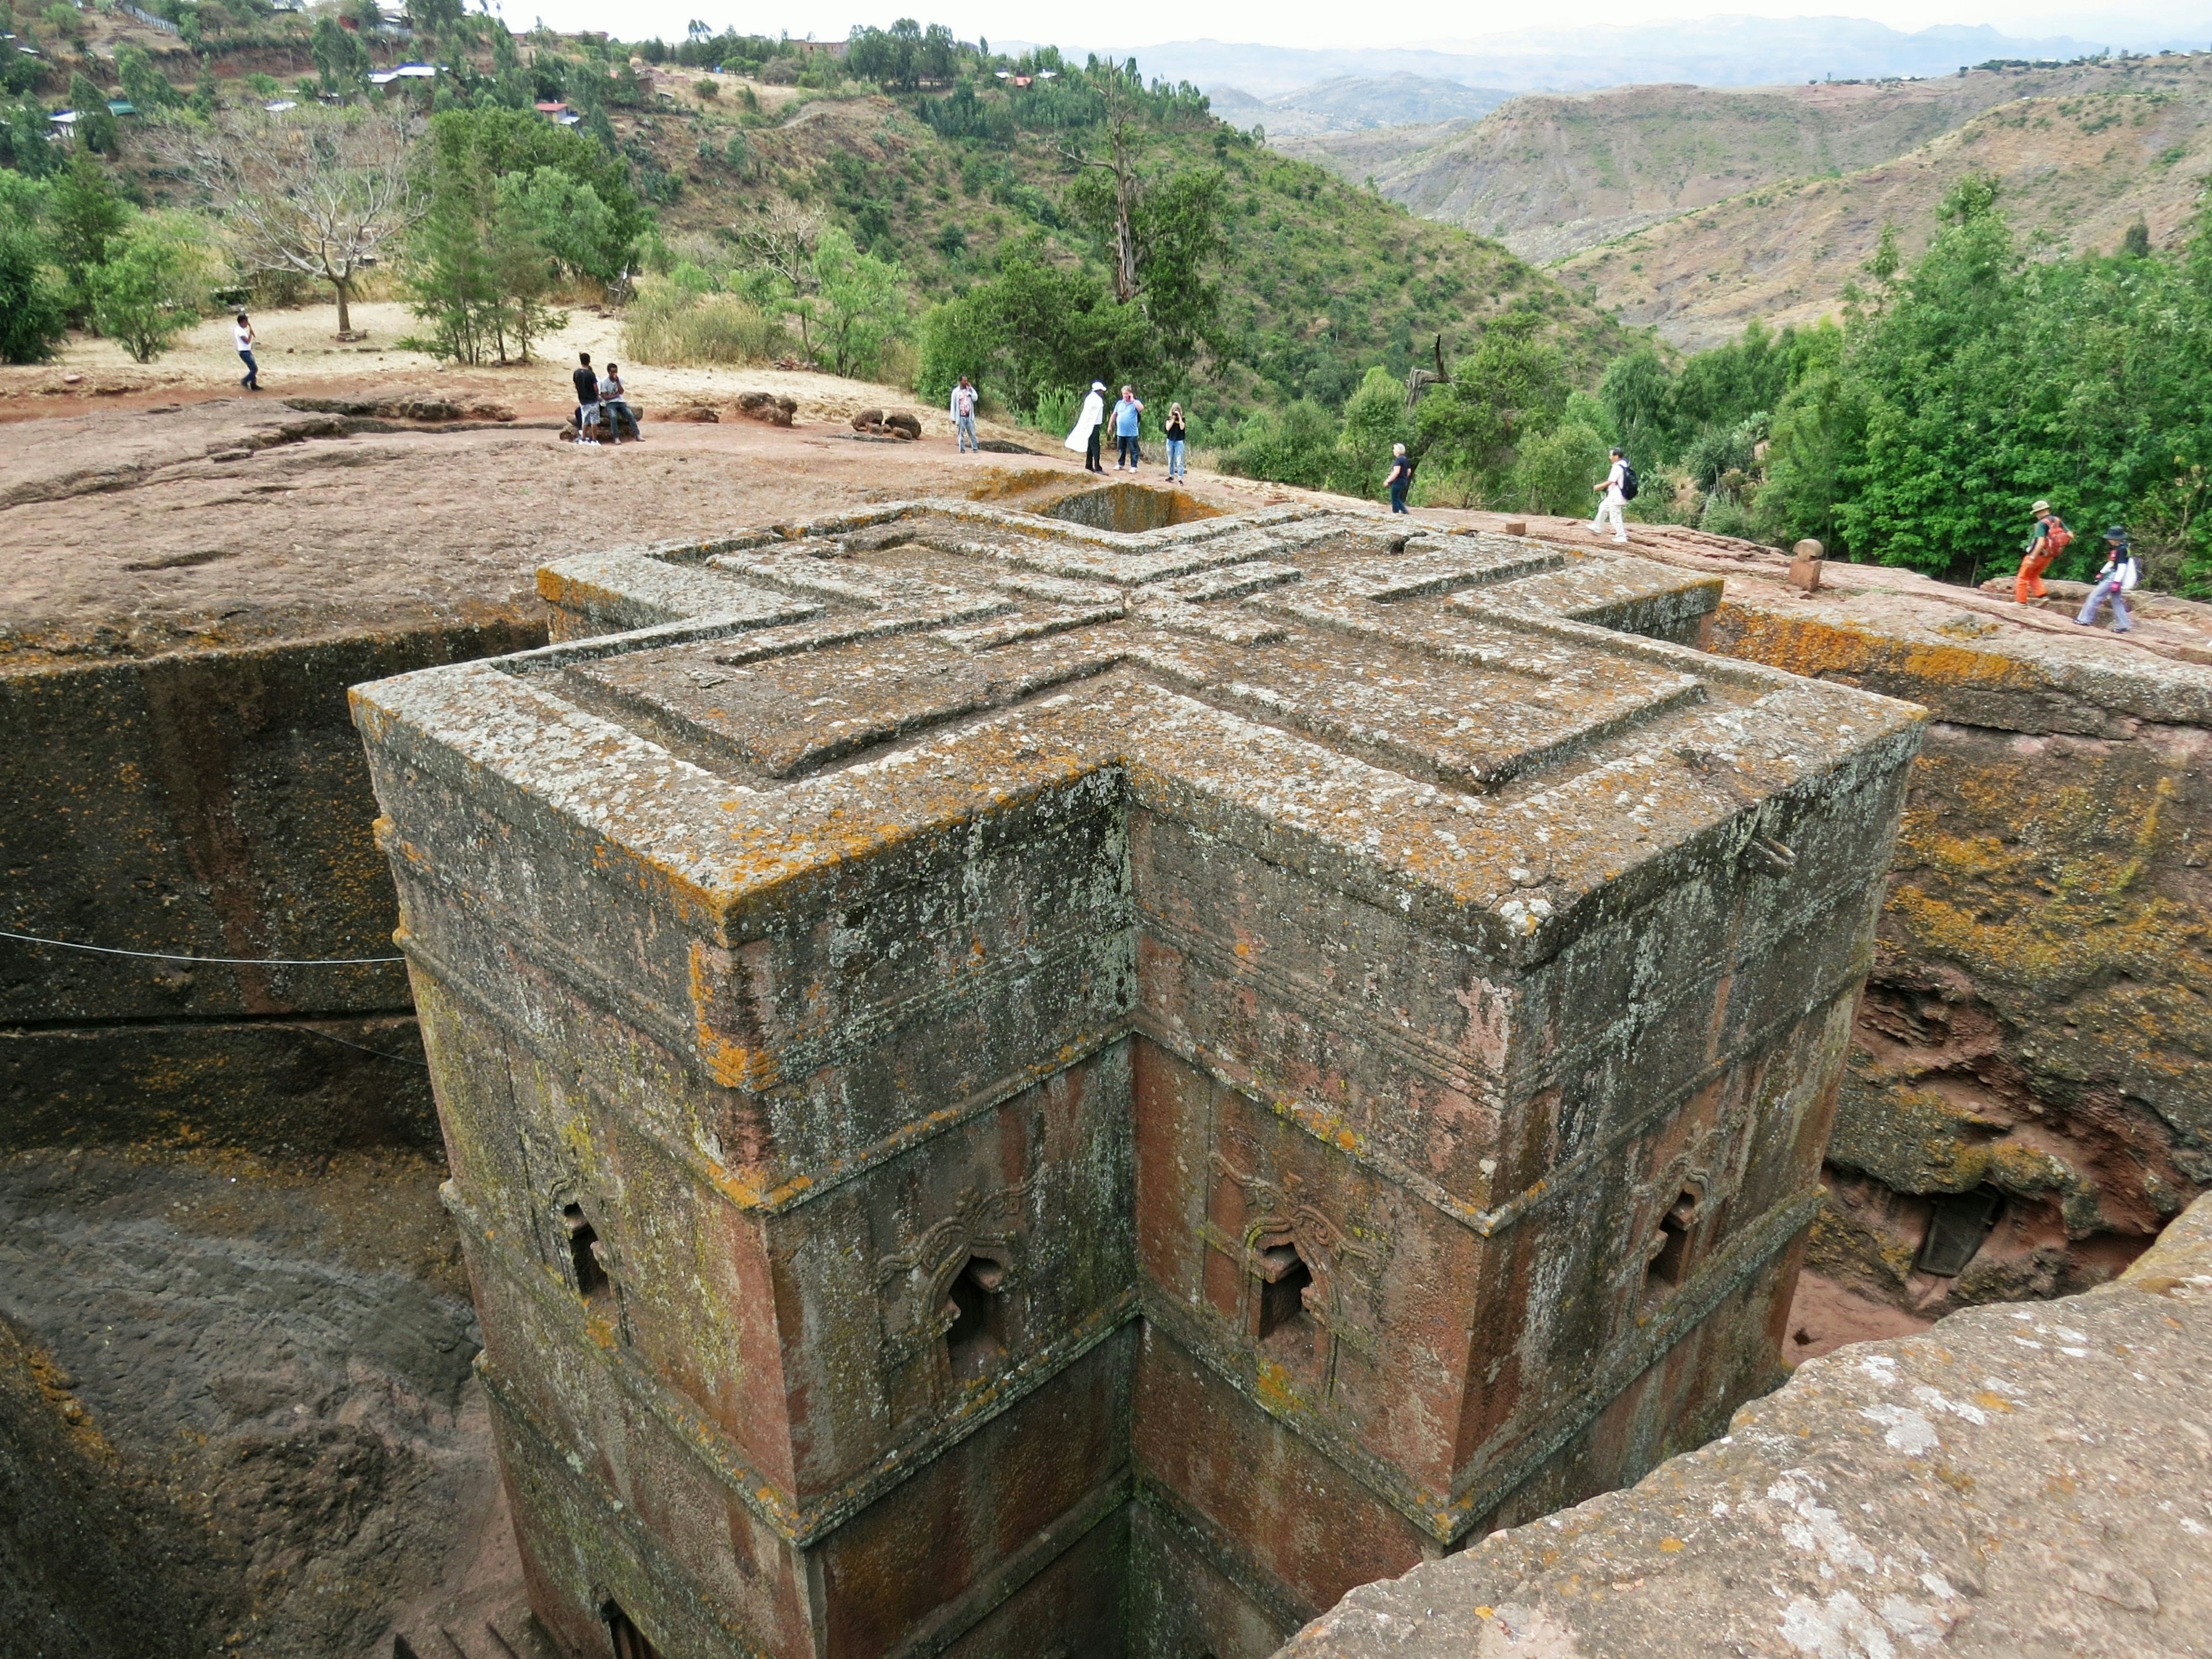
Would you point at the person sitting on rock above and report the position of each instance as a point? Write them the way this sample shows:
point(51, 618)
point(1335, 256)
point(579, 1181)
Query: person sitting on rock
point(613, 411)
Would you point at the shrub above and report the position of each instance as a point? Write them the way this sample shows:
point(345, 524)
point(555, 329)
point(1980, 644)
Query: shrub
point(669, 325)
point(151, 287)
point(31, 313)
point(1555, 472)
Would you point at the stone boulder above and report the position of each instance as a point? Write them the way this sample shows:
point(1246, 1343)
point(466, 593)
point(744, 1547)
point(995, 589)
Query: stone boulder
point(2023, 1481)
point(769, 407)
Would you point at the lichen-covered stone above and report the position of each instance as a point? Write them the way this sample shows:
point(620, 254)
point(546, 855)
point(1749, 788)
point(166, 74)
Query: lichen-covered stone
point(2038, 1023)
point(984, 1058)
point(2018, 1483)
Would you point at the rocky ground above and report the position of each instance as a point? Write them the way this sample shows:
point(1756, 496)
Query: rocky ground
point(264, 1377)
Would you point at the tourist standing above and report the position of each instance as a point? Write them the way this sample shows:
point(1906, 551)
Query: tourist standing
point(2045, 541)
point(1401, 476)
point(1127, 415)
point(586, 379)
point(241, 331)
point(963, 415)
point(1089, 425)
point(1612, 496)
point(2116, 581)
point(1174, 437)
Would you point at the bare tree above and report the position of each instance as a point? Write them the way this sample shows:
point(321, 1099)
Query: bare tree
point(316, 193)
point(782, 238)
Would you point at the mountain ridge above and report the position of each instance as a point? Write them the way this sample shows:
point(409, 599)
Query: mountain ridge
point(1717, 51)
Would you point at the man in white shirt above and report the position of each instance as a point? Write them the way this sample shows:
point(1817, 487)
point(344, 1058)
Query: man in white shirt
point(1612, 498)
point(241, 332)
point(963, 415)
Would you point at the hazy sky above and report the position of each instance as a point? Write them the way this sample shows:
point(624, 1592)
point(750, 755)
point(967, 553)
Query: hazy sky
point(1311, 23)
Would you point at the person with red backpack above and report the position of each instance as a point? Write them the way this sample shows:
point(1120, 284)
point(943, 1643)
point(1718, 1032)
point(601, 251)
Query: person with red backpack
point(2045, 541)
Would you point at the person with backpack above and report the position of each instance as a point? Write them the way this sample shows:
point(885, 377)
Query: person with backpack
point(2116, 581)
point(1400, 478)
point(1617, 490)
point(2045, 541)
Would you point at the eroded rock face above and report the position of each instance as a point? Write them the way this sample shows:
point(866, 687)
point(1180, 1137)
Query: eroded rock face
point(2019, 1482)
point(1012, 1086)
point(2029, 1094)
point(241, 1415)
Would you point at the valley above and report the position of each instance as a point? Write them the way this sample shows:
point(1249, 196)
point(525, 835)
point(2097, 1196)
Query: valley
point(1693, 209)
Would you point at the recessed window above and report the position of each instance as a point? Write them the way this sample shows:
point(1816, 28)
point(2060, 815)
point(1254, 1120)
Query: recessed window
point(1958, 1222)
point(583, 1253)
point(977, 1341)
point(629, 1641)
point(1671, 1262)
point(1284, 1277)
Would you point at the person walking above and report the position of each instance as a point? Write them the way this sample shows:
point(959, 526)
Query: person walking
point(241, 332)
point(613, 411)
point(1174, 437)
point(1612, 496)
point(1088, 426)
point(963, 415)
point(586, 379)
point(1400, 478)
point(2045, 541)
point(2116, 581)
point(1128, 414)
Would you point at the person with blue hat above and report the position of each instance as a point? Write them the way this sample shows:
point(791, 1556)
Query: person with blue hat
point(2114, 582)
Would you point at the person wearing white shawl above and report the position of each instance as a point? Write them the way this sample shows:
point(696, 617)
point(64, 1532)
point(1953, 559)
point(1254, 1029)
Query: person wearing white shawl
point(1088, 426)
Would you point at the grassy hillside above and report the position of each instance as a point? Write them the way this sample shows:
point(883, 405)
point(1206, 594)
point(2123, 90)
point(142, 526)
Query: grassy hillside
point(2077, 170)
point(1550, 175)
point(1321, 280)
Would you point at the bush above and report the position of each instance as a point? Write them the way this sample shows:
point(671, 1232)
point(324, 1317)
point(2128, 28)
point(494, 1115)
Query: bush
point(1725, 515)
point(1556, 471)
point(31, 311)
point(670, 325)
point(1296, 447)
point(151, 287)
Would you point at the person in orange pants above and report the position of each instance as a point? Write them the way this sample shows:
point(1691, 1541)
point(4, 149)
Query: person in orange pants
point(2045, 543)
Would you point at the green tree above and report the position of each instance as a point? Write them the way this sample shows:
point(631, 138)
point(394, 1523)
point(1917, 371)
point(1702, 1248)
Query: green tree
point(1637, 393)
point(23, 139)
point(1375, 419)
point(95, 127)
point(33, 312)
point(863, 305)
point(339, 57)
point(451, 282)
point(145, 86)
point(498, 140)
point(85, 212)
point(1944, 366)
point(569, 221)
point(1033, 328)
point(1510, 388)
point(152, 285)
point(1556, 470)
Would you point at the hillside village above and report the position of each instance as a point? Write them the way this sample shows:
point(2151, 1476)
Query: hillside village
point(879, 847)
